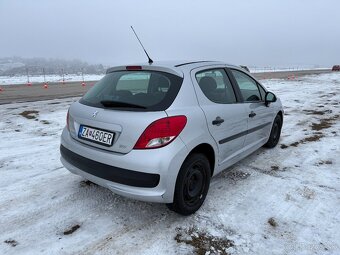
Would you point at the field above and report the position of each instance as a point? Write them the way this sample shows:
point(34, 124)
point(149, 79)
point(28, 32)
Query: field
point(284, 200)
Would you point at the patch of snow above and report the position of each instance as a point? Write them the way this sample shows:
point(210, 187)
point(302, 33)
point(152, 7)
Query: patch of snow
point(296, 185)
point(11, 80)
point(284, 69)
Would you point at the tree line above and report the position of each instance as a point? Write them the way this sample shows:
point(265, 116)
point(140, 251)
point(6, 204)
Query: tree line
point(36, 66)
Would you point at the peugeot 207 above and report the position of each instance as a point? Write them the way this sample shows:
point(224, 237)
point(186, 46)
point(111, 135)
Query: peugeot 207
point(158, 132)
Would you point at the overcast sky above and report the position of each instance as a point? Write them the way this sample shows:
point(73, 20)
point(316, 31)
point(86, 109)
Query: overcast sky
point(254, 33)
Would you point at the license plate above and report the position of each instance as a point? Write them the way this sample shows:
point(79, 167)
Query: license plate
point(96, 135)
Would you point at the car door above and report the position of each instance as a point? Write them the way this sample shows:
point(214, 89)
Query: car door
point(260, 116)
point(226, 117)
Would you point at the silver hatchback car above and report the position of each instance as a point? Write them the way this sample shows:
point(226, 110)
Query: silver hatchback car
point(158, 132)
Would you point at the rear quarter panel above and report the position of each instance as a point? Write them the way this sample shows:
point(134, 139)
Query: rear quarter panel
point(196, 130)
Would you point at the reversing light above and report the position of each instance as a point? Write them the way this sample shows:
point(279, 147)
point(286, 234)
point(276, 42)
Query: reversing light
point(161, 132)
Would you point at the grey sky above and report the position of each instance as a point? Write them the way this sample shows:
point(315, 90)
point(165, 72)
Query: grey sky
point(261, 33)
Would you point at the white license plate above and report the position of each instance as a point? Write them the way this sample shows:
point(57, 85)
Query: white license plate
point(96, 135)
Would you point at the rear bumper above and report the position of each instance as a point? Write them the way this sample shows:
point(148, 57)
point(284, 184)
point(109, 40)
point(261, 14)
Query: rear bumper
point(110, 173)
point(147, 175)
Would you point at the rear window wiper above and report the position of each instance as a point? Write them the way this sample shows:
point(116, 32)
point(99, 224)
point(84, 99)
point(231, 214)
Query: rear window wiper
point(108, 103)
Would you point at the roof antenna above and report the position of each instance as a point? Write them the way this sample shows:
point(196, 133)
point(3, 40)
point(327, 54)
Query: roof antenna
point(150, 60)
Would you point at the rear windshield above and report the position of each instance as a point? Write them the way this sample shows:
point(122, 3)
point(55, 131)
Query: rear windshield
point(134, 91)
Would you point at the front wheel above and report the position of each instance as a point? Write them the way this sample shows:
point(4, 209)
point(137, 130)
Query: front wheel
point(275, 132)
point(192, 185)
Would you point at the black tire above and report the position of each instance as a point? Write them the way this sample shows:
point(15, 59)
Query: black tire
point(275, 133)
point(192, 185)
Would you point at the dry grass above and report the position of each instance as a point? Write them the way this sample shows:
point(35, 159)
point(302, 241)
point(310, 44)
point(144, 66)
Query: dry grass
point(202, 242)
point(272, 222)
point(11, 242)
point(29, 114)
point(324, 123)
point(71, 230)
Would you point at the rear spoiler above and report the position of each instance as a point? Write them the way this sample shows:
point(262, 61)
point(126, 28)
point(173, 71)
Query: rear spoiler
point(149, 68)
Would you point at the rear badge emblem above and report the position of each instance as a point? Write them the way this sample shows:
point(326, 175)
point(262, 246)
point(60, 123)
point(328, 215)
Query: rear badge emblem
point(94, 114)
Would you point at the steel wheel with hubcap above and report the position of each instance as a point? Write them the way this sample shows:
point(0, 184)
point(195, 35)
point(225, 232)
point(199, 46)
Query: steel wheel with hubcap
point(192, 185)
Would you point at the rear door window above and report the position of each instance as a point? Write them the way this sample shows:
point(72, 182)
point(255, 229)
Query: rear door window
point(216, 86)
point(134, 90)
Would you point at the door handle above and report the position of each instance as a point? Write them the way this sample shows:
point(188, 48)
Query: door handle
point(218, 121)
point(252, 114)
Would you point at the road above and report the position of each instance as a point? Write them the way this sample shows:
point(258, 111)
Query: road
point(37, 92)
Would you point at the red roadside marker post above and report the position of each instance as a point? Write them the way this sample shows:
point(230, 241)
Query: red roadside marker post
point(83, 84)
point(45, 83)
point(29, 84)
point(63, 77)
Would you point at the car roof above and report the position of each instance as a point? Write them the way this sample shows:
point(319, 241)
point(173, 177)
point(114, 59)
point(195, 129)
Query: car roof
point(176, 67)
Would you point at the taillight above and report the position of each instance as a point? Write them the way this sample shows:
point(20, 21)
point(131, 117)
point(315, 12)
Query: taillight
point(67, 120)
point(161, 132)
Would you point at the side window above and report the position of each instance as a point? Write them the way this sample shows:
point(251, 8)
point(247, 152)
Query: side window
point(216, 86)
point(248, 87)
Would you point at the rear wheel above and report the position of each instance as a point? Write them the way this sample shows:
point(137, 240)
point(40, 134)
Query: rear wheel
point(275, 132)
point(192, 185)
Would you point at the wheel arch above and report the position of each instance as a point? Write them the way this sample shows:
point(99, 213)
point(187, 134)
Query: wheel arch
point(280, 113)
point(207, 150)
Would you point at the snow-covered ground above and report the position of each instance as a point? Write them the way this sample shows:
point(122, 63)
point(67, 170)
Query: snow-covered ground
point(254, 69)
point(284, 200)
point(11, 80)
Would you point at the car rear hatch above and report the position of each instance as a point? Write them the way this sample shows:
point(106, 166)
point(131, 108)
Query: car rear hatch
point(115, 112)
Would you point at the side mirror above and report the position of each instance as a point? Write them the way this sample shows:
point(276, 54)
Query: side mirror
point(269, 98)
